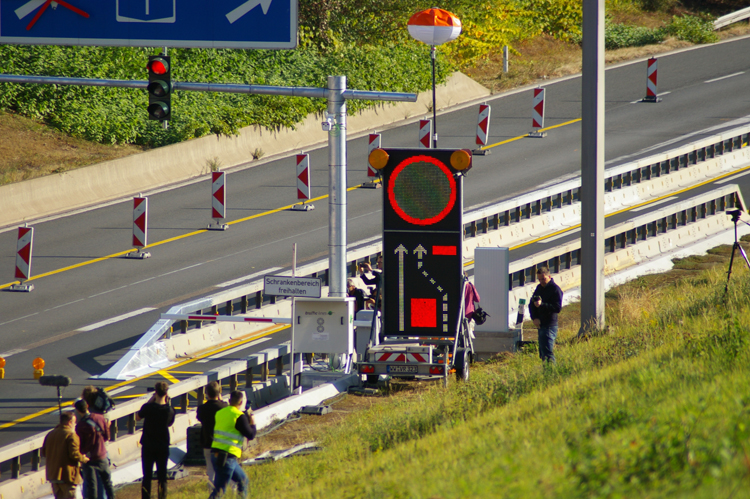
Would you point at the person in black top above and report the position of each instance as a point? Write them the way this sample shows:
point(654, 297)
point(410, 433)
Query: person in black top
point(207, 416)
point(157, 416)
point(546, 303)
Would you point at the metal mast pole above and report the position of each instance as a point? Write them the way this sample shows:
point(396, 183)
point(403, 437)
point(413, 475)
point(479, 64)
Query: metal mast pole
point(337, 187)
point(592, 168)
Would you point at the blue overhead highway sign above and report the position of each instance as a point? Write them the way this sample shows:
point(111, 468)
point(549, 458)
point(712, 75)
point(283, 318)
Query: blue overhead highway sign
point(246, 24)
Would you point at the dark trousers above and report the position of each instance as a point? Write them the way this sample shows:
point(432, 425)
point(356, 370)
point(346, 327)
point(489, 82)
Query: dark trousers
point(97, 478)
point(149, 456)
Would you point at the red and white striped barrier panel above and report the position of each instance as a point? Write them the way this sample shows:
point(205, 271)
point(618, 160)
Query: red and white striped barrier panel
point(303, 182)
point(537, 113)
point(651, 76)
point(140, 227)
point(227, 318)
point(399, 357)
point(24, 248)
point(483, 124)
point(425, 134)
point(374, 143)
point(218, 200)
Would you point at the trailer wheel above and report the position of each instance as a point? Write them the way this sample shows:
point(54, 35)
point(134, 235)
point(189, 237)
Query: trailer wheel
point(461, 364)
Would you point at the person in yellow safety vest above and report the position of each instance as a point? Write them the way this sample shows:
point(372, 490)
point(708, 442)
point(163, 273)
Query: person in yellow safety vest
point(232, 425)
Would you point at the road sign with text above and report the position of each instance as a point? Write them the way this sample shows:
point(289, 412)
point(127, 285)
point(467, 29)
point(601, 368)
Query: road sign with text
point(268, 24)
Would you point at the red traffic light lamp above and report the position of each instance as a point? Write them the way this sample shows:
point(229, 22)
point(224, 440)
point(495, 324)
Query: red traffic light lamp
point(159, 88)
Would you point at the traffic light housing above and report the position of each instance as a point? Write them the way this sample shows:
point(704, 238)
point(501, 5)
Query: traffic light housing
point(159, 87)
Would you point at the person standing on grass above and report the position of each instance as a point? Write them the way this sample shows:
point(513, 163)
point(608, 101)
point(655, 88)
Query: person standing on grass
point(93, 431)
point(232, 425)
point(157, 416)
point(546, 304)
point(61, 450)
point(207, 416)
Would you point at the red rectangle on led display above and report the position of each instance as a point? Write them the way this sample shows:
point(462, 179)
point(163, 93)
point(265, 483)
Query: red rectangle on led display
point(444, 250)
point(423, 312)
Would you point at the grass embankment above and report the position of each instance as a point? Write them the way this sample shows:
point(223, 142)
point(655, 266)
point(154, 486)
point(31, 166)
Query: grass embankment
point(656, 406)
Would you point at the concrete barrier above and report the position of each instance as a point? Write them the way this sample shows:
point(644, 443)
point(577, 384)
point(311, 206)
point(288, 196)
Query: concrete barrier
point(124, 177)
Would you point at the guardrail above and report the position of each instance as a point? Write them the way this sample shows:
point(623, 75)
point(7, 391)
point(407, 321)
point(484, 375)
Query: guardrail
point(731, 18)
point(24, 456)
point(522, 211)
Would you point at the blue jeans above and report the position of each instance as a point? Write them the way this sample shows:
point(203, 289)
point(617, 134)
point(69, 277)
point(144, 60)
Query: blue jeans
point(547, 335)
point(232, 470)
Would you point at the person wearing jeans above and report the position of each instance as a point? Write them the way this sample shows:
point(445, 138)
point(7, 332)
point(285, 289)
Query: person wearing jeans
point(546, 303)
point(232, 426)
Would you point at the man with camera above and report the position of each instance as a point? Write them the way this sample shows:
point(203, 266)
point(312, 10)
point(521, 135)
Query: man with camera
point(545, 304)
point(157, 416)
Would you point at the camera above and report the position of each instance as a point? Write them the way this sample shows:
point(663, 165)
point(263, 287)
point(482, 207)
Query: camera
point(535, 298)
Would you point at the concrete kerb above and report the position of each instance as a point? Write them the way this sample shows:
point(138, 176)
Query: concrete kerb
point(117, 179)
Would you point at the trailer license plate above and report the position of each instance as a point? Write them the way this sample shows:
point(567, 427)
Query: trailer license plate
point(402, 369)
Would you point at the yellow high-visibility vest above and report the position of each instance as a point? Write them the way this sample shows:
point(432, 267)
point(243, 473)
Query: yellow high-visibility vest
point(226, 436)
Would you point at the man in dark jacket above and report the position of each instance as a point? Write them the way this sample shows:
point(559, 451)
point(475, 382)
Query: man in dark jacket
point(93, 431)
point(546, 303)
point(157, 416)
point(207, 416)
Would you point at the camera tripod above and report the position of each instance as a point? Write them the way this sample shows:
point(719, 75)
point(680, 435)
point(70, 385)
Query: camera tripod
point(735, 214)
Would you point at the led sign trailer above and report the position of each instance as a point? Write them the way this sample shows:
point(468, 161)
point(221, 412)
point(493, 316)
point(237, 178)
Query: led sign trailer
point(422, 239)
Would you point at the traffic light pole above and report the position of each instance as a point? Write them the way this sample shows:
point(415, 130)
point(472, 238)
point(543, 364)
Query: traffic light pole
point(336, 93)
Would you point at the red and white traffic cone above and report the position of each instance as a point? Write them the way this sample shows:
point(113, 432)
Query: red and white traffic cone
point(483, 129)
point(537, 114)
point(218, 200)
point(303, 183)
point(425, 134)
point(140, 228)
point(372, 173)
point(24, 248)
point(651, 75)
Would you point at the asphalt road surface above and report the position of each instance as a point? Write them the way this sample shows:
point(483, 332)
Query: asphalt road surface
point(63, 319)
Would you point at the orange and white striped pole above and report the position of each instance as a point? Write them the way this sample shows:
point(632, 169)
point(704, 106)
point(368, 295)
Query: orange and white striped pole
point(24, 248)
point(218, 200)
point(372, 144)
point(303, 183)
point(652, 69)
point(425, 134)
point(140, 228)
point(483, 129)
point(537, 113)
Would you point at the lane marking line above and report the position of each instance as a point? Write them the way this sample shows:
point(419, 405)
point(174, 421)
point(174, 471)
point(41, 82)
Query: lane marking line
point(247, 277)
point(115, 319)
point(7, 354)
point(525, 136)
point(232, 350)
point(139, 378)
point(724, 77)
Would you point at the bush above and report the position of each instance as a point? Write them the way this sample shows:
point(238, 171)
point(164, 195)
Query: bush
point(618, 36)
point(693, 29)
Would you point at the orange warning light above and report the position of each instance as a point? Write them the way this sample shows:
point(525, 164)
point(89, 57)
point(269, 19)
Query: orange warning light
point(378, 158)
point(38, 363)
point(2, 362)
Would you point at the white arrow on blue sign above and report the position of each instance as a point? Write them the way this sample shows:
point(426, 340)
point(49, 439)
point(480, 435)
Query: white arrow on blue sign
point(244, 24)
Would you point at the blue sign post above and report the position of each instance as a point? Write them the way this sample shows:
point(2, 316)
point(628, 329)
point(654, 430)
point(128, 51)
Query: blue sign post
point(243, 24)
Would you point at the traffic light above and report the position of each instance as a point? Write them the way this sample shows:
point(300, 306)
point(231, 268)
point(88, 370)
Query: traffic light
point(159, 88)
point(422, 239)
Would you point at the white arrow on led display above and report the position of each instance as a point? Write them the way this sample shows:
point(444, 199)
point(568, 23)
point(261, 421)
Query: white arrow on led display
point(419, 251)
point(401, 251)
point(247, 7)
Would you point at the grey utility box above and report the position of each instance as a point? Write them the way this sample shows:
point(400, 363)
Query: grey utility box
point(323, 325)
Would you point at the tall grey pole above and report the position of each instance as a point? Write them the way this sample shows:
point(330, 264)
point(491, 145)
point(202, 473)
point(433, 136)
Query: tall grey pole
point(337, 187)
point(592, 168)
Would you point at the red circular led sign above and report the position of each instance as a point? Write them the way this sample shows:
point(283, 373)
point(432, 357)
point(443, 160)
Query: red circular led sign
point(422, 190)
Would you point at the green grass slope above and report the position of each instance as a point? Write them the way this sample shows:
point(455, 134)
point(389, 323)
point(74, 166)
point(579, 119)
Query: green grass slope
point(656, 406)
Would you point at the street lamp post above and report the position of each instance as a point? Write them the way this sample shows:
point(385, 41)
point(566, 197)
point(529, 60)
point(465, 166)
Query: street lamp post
point(434, 27)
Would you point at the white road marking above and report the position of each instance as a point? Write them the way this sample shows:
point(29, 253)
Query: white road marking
point(724, 77)
point(115, 319)
point(733, 177)
point(120, 390)
point(233, 350)
point(247, 277)
point(14, 320)
point(646, 207)
point(7, 354)
point(108, 291)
